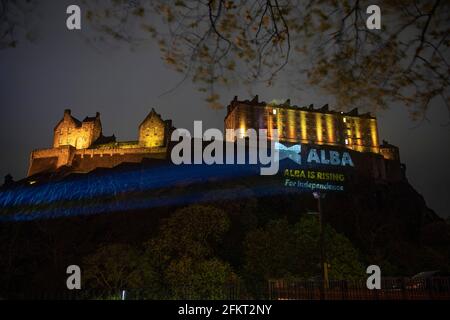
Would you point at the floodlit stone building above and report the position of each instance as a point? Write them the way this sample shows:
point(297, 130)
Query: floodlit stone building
point(82, 146)
point(307, 125)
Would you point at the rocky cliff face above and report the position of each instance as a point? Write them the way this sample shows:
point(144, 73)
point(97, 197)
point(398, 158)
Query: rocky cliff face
point(48, 225)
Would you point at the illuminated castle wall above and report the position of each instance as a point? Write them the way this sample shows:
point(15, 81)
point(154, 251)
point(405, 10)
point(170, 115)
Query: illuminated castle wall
point(307, 125)
point(153, 131)
point(71, 132)
point(82, 147)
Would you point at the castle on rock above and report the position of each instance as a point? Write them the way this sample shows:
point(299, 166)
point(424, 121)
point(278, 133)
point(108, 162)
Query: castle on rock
point(80, 146)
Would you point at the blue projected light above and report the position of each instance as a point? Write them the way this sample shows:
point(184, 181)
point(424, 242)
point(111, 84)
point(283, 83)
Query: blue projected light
point(102, 193)
point(143, 187)
point(188, 198)
point(91, 186)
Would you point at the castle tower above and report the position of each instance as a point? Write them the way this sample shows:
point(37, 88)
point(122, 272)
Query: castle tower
point(154, 131)
point(80, 135)
point(389, 151)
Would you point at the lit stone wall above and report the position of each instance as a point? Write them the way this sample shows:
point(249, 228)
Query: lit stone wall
point(390, 153)
point(361, 134)
point(152, 131)
point(86, 160)
point(71, 132)
point(73, 145)
point(305, 125)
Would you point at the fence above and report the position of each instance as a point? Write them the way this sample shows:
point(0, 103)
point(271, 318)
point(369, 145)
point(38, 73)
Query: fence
point(391, 289)
point(229, 291)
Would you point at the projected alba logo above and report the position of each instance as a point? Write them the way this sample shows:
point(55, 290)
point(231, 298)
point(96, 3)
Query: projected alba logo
point(314, 169)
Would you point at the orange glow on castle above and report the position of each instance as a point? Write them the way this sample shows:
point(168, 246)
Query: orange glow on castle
point(307, 125)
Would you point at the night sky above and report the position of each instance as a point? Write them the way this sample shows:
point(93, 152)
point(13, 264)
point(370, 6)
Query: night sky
point(59, 70)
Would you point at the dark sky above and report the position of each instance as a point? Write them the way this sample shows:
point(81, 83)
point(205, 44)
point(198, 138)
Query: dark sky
point(59, 70)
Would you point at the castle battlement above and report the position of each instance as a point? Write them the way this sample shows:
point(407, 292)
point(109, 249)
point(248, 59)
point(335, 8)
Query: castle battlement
point(309, 125)
point(81, 145)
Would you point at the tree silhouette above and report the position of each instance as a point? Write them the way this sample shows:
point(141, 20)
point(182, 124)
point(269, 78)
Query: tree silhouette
point(285, 250)
point(184, 253)
point(15, 21)
point(323, 43)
